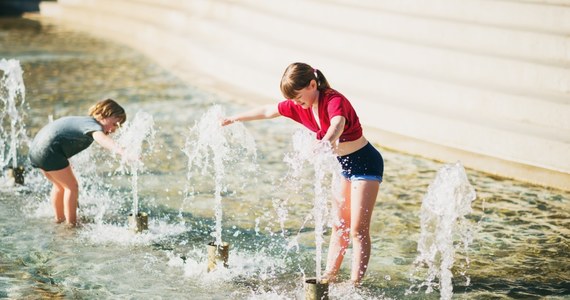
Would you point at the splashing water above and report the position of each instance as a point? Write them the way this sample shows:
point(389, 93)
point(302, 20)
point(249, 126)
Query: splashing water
point(209, 145)
point(131, 138)
point(443, 212)
point(323, 162)
point(12, 94)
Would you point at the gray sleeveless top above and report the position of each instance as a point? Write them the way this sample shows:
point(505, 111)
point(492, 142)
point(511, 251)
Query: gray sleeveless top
point(60, 140)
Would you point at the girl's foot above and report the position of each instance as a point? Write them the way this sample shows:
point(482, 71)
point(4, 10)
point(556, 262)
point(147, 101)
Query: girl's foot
point(329, 277)
point(70, 226)
point(356, 283)
point(59, 221)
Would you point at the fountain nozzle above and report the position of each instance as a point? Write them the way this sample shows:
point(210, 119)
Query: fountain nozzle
point(217, 254)
point(16, 174)
point(316, 290)
point(139, 222)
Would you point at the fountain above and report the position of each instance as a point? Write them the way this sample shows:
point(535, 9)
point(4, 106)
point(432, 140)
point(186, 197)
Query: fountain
point(443, 212)
point(12, 94)
point(324, 163)
point(131, 138)
point(209, 145)
point(520, 246)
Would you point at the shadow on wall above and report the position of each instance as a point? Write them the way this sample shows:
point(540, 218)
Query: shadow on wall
point(18, 7)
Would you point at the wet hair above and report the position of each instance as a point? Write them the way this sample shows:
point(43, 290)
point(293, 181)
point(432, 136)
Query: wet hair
point(108, 108)
point(298, 76)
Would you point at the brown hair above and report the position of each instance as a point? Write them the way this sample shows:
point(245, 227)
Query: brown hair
point(298, 76)
point(108, 108)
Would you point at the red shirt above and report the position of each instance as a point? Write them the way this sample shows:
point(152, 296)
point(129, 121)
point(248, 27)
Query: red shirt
point(331, 104)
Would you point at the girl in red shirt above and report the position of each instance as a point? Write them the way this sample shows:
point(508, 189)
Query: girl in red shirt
point(312, 102)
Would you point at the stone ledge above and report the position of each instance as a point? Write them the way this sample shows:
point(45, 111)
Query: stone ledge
point(487, 164)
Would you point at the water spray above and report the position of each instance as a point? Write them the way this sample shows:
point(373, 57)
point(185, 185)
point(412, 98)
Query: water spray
point(209, 145)
point(12, 96)
point(443, 219)
point(131, 138)
point(324, 163)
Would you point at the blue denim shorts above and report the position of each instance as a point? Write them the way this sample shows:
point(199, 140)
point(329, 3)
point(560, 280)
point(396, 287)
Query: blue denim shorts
point(365, 164)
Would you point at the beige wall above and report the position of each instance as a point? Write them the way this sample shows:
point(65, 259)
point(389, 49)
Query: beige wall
point(486, 82)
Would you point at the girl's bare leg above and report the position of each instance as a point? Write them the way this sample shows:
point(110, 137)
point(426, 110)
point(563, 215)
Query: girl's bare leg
point(56, 197)
point(340, 236)
point(65, 180)
point(364, 193)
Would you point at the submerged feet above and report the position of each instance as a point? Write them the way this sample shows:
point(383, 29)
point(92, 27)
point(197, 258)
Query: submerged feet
point(356, 283)
point(329, 277)
point(67, 224)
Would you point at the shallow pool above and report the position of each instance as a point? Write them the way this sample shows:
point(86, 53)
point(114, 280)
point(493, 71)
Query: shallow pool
point(521, 233)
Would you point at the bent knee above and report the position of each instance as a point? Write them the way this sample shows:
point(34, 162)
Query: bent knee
point(341, 225)
point(74, 188)
point(58, 188)
point(360, 233)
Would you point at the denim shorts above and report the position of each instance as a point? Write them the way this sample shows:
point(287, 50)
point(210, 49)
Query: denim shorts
point(365, 164)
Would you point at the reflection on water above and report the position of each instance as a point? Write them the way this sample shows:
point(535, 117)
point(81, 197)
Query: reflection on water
point(520, 247)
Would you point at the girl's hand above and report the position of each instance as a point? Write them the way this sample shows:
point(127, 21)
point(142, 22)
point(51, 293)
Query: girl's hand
point(320, 146)
point(226, 121)
point(131, 158)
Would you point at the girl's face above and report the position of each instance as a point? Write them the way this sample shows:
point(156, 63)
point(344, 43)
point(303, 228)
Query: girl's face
point(307, 96)
point(110, 124)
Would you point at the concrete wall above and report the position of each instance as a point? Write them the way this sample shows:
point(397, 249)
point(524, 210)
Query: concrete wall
point(483, 81)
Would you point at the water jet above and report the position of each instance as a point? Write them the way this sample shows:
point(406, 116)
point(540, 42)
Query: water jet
point(444, 228)
point(12, 113)
point(131, 138)
point(211, 146)
point(324, 163)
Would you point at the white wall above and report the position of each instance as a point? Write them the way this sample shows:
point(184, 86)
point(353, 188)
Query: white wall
point(487, 79)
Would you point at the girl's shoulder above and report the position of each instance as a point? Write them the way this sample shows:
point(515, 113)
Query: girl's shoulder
point(332, 93)
point(70, 118)
point(76, 121)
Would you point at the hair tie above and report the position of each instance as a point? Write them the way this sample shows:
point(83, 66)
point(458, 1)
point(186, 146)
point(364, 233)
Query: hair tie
point(315, 72)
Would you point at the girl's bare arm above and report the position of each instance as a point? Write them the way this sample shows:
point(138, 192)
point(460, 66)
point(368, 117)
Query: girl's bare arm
point(335, 130)
point(265, 112)
point(107, 142)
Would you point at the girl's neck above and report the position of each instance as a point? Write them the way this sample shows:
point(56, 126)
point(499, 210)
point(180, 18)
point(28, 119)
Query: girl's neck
point(316, 102)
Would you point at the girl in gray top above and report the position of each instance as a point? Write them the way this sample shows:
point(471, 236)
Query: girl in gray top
point(55, 143)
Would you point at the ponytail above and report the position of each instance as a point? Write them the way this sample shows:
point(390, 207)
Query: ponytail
point(298, 76)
